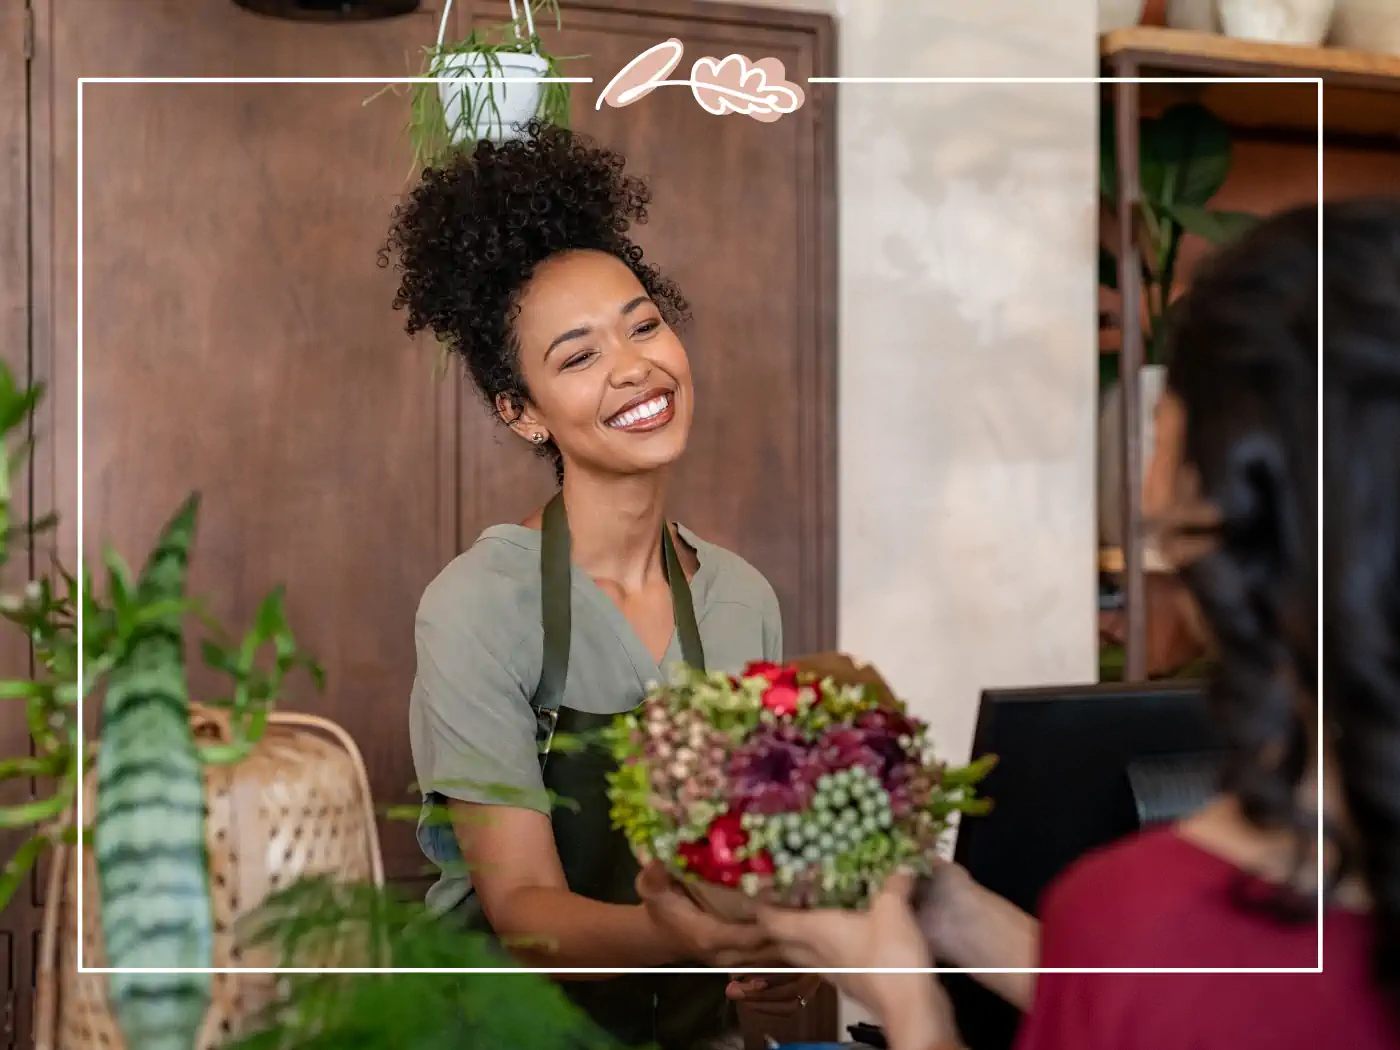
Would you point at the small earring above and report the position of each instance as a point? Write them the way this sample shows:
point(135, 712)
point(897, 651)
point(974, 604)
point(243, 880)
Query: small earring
point(538, 439)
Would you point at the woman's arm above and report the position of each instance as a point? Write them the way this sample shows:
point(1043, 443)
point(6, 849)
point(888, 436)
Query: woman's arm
point(520, 882)
point(518, 877)
point(971, 927)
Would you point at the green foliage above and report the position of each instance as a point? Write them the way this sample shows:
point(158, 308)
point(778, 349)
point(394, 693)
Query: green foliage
point(629, 788)
point(1184, 158)
point(148, 833)
point(319, 922)
point(152, 864)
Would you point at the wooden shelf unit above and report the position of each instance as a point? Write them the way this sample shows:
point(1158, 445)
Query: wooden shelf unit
point(1360, 101)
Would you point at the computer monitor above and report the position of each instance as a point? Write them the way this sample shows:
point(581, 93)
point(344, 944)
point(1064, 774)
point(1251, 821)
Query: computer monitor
point(1077, 768)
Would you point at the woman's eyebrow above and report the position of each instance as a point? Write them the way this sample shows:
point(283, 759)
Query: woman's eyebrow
point(579, 333)
point(572, 333)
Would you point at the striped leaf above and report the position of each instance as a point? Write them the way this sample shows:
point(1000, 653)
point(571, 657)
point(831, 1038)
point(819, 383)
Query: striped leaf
point(153, 869)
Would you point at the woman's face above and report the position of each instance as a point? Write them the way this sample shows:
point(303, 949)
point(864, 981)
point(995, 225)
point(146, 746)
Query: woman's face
point(608, 379)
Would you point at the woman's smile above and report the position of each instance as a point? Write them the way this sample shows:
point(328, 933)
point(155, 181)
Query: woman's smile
point(644, 413)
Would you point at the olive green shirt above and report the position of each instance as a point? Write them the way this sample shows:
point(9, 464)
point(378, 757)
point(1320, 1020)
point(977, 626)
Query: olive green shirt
point(480, 647)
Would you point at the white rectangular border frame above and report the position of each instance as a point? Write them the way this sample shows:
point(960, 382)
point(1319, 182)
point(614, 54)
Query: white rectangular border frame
point(82, 81)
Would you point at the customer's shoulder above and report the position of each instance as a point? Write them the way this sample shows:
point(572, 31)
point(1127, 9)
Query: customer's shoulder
point(1134, 892)
point(1150, 862)
point(495, 577)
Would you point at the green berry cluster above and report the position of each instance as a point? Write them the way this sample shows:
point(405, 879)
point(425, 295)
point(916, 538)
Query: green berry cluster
point(841, 840)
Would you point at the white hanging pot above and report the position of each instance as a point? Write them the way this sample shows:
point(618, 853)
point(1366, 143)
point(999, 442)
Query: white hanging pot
point(1196, 16)
point(1119, 14)
point(1367, 25)
point(477, 109)
point(1277, 21)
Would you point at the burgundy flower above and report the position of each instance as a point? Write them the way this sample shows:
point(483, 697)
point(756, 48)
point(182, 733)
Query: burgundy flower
point(881, 731)
point(846, 748)
point(774, 772)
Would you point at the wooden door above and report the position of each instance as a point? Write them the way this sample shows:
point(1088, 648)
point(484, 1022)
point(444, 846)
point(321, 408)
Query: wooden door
point(18, 924)
point(743, 219)
point(237, 337)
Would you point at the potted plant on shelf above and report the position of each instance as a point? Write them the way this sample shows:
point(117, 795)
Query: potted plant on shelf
point(1184, 159)
point(501, 78)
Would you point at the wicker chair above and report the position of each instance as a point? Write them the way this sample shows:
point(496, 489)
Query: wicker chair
point(298, 805)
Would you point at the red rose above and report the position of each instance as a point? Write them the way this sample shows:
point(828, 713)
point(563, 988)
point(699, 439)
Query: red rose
point(697, 859)
point(781, 699)
point(775, 674)
point(761, 863)
point(781, 695)
point(726, 837)
point(716, 857)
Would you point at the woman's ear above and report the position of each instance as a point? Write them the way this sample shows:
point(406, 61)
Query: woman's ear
point(519, 415)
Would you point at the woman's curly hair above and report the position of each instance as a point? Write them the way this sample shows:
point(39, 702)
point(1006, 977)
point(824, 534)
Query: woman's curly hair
point(1244, 361)
point(471, 233)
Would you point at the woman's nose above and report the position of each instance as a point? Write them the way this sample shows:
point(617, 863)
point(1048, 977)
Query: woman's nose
point(630, 368)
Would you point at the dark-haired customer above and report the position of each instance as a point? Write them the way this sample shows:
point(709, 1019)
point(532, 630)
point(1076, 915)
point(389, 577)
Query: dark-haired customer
point(1235, 884)
point(517, 256)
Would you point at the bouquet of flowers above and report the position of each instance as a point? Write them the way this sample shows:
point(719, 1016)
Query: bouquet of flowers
point(802, 784)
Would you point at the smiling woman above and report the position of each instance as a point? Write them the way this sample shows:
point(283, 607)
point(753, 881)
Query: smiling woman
point(517, 257)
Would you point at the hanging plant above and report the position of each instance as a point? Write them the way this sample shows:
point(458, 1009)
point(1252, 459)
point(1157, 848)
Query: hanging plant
point(502, 78)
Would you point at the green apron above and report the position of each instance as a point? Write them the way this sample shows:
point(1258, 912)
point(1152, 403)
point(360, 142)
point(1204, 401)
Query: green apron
point(675, 1011)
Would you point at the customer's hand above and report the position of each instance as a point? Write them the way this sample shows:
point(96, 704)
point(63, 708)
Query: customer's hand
point(782, 987)
point(912, 1006)
point(698, 935)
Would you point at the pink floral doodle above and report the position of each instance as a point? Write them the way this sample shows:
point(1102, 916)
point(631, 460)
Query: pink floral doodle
point(732, 84)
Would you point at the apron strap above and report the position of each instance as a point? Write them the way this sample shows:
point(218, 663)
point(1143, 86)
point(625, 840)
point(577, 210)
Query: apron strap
point(682, 605)
point(556, 610)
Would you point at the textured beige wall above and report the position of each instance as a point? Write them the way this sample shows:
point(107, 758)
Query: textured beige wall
point(968, 326)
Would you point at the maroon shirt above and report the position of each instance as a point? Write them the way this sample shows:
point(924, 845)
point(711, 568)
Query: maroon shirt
point(1158, 900)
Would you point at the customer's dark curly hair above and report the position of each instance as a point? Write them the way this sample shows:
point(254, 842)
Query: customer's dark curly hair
point(1245, 365)
point(471, 233)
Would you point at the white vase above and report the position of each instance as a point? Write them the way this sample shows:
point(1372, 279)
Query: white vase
point(1152, 380)
point(503, 113)
point(1119, 14)
point(1367, 25)
point(1277, 21)
point(1196, 16)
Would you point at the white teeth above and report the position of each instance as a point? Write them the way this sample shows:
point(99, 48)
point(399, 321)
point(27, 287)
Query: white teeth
point(646, 410)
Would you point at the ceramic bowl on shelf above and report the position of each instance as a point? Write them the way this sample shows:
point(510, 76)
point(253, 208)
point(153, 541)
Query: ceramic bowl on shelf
point(1196, 16)
point(1119, 14)
point(1303, 22)
point(1367, 25)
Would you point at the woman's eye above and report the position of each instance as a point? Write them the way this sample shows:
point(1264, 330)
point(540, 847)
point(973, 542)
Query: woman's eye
point(578, 359)
point(647, 327)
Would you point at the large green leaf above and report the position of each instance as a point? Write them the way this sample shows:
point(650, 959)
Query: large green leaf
point(1218, 227)
point(152, 866)
point(1185, 156)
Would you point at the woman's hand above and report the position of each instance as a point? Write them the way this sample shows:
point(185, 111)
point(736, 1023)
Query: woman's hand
point(698, 936)
point(913, 1007)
